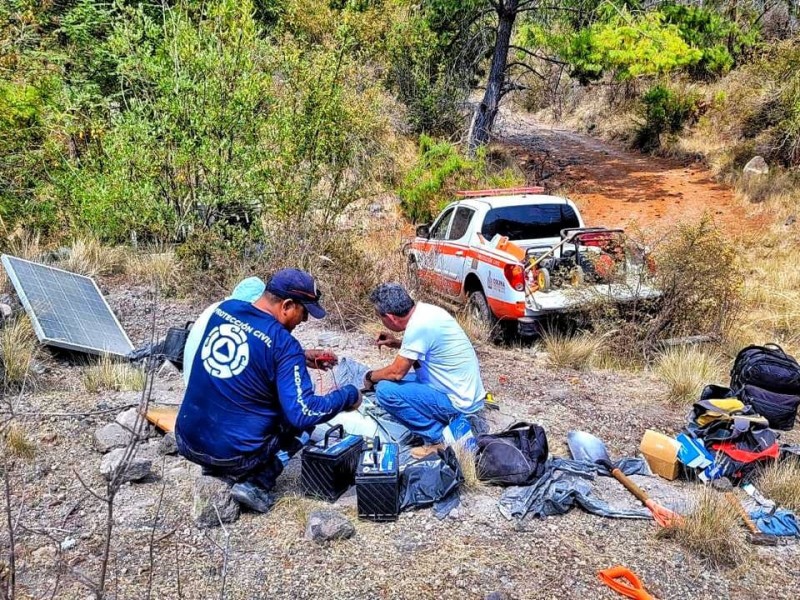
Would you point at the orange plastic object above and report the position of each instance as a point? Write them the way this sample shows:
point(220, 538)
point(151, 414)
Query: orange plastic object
point(623, 581)
point(163, 417)
point(504, 245)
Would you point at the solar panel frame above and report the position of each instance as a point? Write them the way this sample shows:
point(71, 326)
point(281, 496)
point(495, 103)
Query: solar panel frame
point(46, 327)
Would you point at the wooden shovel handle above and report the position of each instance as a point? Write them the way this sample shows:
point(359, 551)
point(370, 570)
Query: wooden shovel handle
point(734, 501)
point(630, 486)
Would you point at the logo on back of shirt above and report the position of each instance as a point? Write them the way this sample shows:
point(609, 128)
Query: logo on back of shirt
point(225, 352)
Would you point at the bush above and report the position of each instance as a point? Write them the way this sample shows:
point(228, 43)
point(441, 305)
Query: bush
point(665, 111)
point(700, 279)
point(442, 170)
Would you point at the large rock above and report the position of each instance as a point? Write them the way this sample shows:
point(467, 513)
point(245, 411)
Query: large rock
point(127, 420)
point(212, 496)
point(327, 525)
point(756, 166)
point(111, 436)
point(137, 468)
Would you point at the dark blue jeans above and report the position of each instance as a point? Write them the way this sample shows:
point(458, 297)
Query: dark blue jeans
point(424, 410)
point(261, 467)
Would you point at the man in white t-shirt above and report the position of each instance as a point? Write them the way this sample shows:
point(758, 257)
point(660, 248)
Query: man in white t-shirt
point(446, 382)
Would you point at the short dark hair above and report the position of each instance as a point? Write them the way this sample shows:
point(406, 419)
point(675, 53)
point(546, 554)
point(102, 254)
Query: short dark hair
point(391, 299)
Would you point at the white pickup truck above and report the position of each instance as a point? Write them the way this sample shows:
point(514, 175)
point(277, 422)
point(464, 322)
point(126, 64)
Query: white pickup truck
point(514, 256)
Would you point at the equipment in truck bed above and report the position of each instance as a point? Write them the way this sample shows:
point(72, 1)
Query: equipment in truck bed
point(583, 255)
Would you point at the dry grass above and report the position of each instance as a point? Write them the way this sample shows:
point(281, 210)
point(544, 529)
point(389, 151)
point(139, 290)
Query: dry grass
point(477, 331)
point(17, 348)
point(686, 370)
point(780, 482)
point(567, 351)
point(158, 268)
point(18, 444)
point(712, 531)
point(466, 458)
point(111, 374)
point(87, 256)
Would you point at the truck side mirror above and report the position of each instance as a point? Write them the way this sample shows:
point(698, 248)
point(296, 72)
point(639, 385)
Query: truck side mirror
point(424, 231)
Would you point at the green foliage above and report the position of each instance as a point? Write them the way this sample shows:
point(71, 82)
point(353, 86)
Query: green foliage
point(665, 111)
point(629, 42)
point(433, 56)
point(720, 40)
point(442, 170)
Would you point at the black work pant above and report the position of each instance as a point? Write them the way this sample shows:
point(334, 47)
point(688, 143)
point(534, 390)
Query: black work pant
point(260, 467)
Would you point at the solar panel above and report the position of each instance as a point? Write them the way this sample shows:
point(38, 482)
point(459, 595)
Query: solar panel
point(67, 310)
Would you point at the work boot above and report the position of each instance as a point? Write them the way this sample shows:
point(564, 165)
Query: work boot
point(423, 451)
point(253, 497)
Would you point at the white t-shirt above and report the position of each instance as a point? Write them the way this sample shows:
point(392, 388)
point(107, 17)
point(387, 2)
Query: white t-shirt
point(447, 359)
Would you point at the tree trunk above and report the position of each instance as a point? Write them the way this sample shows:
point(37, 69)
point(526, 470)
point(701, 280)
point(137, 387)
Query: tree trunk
point(486, 112)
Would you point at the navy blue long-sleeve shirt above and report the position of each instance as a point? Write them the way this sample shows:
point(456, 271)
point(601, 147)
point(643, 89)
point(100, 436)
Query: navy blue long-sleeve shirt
point(249, 380)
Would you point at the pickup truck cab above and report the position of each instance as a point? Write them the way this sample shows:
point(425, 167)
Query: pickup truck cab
point(465, 258)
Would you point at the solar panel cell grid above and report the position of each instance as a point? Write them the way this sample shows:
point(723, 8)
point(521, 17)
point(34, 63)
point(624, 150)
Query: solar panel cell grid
point(67, 310)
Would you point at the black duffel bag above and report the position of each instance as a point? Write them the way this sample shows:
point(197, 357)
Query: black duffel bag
point(515, 456)
point(779, 409)
point(767, 367)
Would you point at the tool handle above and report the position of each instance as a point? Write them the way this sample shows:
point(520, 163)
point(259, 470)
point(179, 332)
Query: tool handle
point(630, 486)
point(734, 501)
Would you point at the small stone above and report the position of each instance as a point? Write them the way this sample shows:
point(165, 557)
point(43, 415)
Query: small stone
point(327, 525)
point(167, 446)
point(496, 596)
point(138, 468)
point(790, 220)
point(375, 208)
point(212, 496)
point(128, 421)
point(5, 311)
point(756, 166)
point(110, 436)
point(68, 544)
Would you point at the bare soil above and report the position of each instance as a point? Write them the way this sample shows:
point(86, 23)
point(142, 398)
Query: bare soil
point(471, 554)
point(616, 187)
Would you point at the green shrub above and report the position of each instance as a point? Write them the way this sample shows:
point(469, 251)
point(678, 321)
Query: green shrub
point(665, 111)
point(441, 170)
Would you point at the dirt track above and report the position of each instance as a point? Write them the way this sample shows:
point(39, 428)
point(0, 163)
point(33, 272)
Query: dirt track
point(619, 188)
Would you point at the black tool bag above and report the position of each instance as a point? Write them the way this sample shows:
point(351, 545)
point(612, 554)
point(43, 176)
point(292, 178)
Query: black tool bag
point(779, 409)
point(515, 456)
point(767, 367)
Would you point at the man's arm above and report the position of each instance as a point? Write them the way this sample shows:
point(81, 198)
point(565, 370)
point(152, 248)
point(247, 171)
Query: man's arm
point(398, 369)
point(301, 406)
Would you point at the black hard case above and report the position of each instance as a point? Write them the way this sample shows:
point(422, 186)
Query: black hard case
point(378, 482)
point(327, 470)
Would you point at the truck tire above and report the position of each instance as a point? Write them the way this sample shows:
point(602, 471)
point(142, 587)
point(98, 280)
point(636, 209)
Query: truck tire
point(479, 311)
point(412, 272)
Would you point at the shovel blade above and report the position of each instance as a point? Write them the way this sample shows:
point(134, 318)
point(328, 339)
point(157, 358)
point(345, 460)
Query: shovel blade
point(585, 447)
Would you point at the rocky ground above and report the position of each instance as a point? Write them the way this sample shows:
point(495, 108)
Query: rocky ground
point(473, 553)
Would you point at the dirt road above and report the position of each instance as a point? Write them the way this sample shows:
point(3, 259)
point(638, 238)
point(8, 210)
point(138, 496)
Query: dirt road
point(619, 188)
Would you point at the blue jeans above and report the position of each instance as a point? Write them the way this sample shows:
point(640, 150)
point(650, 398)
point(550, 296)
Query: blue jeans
point(423, 409)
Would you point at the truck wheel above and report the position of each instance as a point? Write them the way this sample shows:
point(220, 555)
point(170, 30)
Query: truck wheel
point(479, 312)
point(413, 274)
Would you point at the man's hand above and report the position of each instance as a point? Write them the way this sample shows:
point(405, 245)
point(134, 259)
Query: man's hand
point(321, 359)
point(368, 383)
point(387, 339)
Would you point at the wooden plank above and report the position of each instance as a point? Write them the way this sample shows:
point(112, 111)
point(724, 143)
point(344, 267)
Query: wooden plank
point(163, 417)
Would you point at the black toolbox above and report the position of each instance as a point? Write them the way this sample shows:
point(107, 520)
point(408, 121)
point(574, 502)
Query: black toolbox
point(378, 482)
point(327, 469)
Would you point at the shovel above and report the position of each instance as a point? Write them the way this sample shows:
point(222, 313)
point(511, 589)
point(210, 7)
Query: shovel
point(588, 448)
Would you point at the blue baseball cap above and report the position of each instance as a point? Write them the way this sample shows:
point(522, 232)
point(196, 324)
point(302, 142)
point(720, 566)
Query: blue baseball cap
point(299, 286)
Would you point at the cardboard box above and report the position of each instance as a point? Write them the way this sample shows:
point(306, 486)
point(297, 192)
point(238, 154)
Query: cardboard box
point(661, 453)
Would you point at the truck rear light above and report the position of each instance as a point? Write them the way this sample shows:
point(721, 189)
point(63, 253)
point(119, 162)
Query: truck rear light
point(515, 275)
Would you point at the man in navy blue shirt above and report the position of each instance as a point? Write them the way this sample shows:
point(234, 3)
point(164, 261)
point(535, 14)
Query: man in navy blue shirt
point(250, 394)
